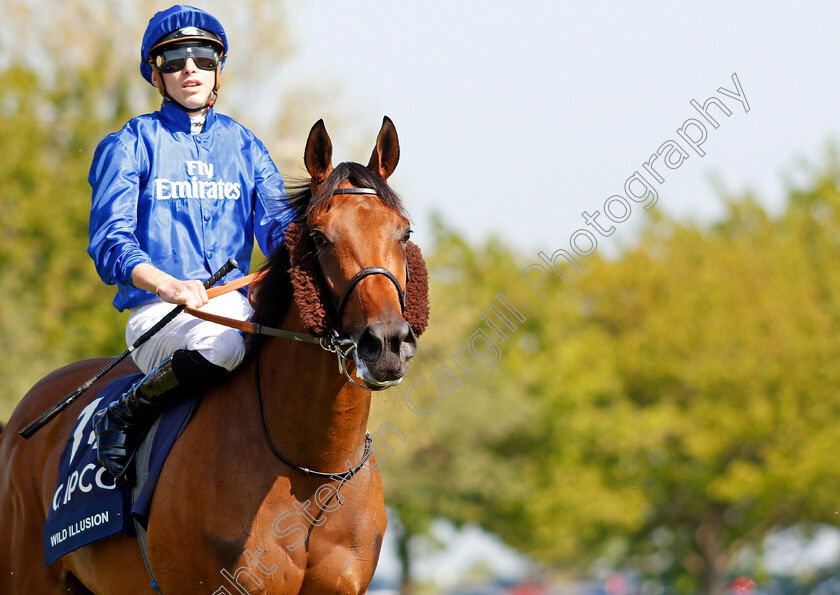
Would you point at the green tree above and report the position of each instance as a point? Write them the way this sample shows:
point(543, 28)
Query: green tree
point(712, 414)
point(54, 307)
point(103, 40)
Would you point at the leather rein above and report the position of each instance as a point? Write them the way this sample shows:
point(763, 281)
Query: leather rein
point(333, 342)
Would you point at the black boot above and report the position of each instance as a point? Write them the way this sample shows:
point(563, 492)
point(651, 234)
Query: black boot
point(119, 425)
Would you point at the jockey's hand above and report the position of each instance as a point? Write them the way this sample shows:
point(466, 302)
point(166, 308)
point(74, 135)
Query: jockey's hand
point(187, 293)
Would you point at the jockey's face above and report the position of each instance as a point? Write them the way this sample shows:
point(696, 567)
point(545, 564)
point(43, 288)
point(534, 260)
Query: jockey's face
point(191, 86)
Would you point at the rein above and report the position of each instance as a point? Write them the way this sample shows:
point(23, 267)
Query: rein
point(342, 347)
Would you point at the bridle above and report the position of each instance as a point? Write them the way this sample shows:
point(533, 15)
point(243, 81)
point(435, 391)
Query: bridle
point(333, 342)
point(344, 347)
point(366, 272)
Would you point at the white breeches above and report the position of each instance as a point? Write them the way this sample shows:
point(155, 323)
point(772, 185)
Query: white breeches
point(219, 344)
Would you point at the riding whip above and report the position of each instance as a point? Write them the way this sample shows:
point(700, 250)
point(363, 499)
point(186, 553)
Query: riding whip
point(65, 402)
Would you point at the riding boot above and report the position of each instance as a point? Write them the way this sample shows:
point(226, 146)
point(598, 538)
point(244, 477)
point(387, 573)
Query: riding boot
point(119, 425)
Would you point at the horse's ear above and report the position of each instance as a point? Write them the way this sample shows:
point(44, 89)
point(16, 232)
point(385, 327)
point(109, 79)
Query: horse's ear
point(318, 154)
point(386, 153)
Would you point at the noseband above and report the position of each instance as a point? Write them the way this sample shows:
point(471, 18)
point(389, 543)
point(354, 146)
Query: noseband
point(361, 275)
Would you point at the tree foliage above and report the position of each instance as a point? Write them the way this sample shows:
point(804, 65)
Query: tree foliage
point(55, 309)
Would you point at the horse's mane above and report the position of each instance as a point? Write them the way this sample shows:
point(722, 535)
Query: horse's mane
point(293, 270)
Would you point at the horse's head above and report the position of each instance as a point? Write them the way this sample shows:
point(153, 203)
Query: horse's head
point(359, 232)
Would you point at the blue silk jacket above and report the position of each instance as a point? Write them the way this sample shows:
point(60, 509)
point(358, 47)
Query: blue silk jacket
point(182, 202)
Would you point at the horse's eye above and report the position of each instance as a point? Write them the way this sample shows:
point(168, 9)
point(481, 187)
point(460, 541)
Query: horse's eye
point(407, 236)
point(320, 239)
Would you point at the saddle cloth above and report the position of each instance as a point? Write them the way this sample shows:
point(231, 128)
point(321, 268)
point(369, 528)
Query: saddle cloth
point(87, 505)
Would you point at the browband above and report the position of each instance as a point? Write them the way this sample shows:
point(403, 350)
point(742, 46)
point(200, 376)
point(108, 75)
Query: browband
point(355, 191)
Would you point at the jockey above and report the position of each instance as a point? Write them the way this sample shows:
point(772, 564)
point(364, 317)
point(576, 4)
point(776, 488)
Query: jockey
point(175, 194)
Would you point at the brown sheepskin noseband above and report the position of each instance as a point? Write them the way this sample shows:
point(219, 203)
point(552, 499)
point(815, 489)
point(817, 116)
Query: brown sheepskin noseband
point(314, 300)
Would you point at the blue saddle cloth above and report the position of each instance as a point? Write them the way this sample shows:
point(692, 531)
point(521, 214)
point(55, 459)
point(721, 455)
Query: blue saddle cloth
point(86, 504)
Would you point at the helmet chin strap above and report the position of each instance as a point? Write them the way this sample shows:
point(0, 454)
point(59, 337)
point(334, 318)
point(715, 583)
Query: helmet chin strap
point(211, 98)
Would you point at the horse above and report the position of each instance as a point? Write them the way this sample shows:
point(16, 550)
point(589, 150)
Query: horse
point(272, 487)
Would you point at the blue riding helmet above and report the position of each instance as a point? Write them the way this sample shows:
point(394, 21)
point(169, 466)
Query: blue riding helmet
point(181, 23)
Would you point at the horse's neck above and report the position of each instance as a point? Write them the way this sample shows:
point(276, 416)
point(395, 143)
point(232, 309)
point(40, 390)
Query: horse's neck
point(315, 417)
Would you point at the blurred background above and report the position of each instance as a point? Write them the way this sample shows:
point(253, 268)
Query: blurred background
point(665, 420)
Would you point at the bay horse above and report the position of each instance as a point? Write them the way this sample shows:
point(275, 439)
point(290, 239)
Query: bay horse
point(237, 509)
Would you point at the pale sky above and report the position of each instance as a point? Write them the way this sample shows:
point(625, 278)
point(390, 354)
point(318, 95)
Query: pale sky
point(515, 117)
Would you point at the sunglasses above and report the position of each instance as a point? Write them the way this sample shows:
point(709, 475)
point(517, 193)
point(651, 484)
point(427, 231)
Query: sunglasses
point(204, 57)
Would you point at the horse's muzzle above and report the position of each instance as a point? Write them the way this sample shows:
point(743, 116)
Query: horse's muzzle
point(383, 351)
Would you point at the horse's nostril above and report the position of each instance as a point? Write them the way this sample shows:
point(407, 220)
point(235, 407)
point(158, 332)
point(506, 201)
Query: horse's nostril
point(369, 345)
point(382, 341)
point(405, 343)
